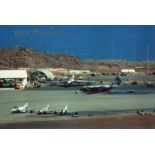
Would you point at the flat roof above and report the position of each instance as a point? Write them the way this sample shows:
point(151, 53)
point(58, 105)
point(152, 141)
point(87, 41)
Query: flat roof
point(8, 74)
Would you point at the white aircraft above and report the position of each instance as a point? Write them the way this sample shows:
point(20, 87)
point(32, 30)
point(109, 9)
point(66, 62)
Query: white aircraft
point(22, 109)
point(64, 111)
point(71, 82)
point(45, 110)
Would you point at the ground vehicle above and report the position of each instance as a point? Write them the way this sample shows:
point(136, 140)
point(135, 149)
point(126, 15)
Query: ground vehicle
point(18, 86)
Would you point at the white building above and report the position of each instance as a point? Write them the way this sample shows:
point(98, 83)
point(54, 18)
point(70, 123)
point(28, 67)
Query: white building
point(76, 72)
point(43, 74)
point(128, 71)
point(15, 75)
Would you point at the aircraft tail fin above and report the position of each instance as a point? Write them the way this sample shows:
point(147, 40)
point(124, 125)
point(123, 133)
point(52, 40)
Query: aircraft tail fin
point(117, 80)
point(65, 109)
point(26, 105)
point(48, 106)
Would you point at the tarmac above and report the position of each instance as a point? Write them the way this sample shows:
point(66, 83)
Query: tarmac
point(101, 106)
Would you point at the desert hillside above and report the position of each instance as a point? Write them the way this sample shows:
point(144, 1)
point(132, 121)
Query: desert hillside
point(21, 57)
point(26, 57)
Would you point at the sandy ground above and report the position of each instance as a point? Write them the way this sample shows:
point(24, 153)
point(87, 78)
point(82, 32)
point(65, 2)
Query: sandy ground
point(93, 122)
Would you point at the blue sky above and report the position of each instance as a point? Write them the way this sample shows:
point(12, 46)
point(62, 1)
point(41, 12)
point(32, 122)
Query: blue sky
point(87, 42)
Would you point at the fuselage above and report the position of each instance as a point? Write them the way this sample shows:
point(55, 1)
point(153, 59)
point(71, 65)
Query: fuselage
point(96, 89)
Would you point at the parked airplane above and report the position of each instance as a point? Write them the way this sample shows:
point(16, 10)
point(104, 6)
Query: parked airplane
point(92, 89)
point(64, 111)
point(45, 110)
point(96, 89)
point(21, 109)
point(71, 83)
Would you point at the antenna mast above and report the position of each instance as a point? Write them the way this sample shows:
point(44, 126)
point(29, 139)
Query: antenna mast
point(148, 63)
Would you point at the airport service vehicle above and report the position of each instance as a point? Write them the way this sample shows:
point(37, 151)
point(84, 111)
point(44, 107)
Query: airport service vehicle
point(18, 86)
point(21, 109)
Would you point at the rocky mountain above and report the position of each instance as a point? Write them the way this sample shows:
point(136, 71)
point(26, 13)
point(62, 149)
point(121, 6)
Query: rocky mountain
point(21, 57)
point(26, 57)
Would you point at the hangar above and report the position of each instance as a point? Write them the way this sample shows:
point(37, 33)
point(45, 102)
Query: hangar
point(10, 78)
point(42, 74)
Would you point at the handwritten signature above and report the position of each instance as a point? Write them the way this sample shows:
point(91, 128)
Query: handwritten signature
point(51, 31)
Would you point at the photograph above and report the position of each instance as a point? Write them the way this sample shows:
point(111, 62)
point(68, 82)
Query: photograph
point(77, 77)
